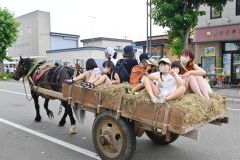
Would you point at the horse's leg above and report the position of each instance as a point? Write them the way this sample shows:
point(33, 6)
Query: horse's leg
point(68, 110)
point(49, 112)
point(35, 98)
point(63, 119)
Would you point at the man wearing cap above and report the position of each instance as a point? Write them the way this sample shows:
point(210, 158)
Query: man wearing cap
point(124, 66)
point(111, 55)
point(164, 85)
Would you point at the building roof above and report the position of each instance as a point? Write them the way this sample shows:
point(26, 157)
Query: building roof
point(64, 34)
point(105, 38)
point(156, 41)
point(76, 49)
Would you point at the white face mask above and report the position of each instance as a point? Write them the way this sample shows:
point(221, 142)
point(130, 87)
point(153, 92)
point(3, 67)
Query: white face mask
point(184, 60)
point(162, 69)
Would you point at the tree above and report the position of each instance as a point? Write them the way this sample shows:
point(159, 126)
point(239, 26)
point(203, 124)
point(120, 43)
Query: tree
point(181, 16)
point(8, 32)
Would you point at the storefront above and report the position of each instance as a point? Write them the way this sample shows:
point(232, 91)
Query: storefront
point(231, 61)
point(218, 51)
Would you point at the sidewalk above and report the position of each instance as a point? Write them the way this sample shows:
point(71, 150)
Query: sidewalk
point(232, 94)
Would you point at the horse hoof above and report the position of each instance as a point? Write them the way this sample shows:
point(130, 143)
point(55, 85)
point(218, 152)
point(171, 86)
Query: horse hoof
point(73, 129)
point(61, 123)
point(38, 119)
point(51, 116)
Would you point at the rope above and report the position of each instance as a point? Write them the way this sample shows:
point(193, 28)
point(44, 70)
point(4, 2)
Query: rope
point(29, 99)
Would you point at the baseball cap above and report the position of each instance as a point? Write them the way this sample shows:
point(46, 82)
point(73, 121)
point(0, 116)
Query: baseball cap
point(110, 51)
point(166, 60)
point(128, 51)
point(152, 62)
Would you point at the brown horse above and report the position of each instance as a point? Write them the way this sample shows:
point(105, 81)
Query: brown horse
point(52, 79)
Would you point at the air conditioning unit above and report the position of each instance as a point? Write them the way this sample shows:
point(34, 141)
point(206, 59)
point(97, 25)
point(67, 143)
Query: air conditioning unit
point(208, 33)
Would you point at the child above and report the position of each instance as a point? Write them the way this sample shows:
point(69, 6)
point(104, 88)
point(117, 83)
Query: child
point(109, 76)
point(91, 74)
point(165, 84)
point(148, 66)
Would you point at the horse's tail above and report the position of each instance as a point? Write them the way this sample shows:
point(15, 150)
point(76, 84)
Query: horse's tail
point(79, 113)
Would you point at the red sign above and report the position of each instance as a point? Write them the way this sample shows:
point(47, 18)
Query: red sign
point(218, 33)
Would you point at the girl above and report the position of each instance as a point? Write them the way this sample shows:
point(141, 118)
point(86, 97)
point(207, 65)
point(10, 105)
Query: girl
point(193, 74)
point(91, 74)
point(109, 76)
point(165, 84)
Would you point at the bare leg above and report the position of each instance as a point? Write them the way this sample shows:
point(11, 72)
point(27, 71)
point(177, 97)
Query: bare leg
point(194, 86)
point(138, 87)
point(202, 86)
point(101, 80)
point(150, 87)
point(177, 94)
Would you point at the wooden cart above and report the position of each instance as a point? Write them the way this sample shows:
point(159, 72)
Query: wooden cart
point(115, 129)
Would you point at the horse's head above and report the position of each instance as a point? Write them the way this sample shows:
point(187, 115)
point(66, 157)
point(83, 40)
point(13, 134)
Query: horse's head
point(23, 68)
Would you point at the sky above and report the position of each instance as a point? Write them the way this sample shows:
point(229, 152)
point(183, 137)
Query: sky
point(91, 18)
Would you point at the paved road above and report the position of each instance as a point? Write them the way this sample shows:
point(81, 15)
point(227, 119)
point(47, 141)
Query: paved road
point(23, 139)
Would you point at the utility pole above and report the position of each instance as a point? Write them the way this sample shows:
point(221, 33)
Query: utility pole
point(92, 18)
point(147, 30)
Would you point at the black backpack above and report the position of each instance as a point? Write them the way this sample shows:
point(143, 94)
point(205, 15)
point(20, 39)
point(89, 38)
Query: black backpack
point(122, 71)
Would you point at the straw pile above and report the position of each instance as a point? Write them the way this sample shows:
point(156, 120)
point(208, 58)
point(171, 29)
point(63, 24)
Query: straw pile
point(195, 109)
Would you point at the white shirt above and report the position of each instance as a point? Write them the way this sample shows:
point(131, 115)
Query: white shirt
point(169, 84)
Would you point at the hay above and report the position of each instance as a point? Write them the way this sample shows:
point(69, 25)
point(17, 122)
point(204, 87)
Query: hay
point(195, 109)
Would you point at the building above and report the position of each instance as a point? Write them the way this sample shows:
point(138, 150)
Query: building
point(34, 35)
point(217, 40)
point(63, 41)
point(92, 48)
point(158, 47)
point(104, 42)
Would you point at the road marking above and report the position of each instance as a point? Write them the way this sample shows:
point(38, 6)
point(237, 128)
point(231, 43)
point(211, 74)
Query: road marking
point(3, 90)
point(232, 109)
point(17, 84)
point(52, 139)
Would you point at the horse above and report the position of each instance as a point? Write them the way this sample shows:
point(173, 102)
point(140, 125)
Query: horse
point(52, 79)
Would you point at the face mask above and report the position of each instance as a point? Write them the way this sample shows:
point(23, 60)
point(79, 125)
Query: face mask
point(162, 69)
point(184, 60)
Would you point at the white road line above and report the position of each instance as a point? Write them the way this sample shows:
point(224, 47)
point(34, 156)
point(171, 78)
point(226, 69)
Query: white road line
point(12, 83)
point(52, 139)
point(232, 109)
point(3, 90)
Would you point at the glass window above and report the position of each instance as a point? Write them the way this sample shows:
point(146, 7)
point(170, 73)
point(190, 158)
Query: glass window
point(214, 13)
point(234, 46)
point(237, 7)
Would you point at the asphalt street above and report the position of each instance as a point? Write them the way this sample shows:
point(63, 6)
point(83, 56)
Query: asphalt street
point(23, 139)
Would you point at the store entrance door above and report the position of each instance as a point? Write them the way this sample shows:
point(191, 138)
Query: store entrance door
point(236, 68)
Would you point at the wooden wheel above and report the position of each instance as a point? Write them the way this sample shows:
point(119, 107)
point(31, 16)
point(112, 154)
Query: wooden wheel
point(113, 139)
point(157, 137)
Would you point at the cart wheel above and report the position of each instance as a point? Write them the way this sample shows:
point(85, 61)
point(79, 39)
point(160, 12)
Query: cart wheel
point(113, 139)
point(159, 138)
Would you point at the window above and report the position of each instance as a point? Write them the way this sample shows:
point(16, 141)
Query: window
point(237, 7)
point(231, 46)
point(214, 13)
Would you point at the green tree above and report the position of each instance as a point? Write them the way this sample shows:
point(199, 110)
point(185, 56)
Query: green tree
point(181, 16)
point(8, 32)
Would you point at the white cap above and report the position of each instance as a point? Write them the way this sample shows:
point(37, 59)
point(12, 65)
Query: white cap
point(166, 60)
point(110, 51)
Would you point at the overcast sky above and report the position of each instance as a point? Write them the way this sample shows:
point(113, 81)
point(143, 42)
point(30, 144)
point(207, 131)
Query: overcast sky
point(113, 18)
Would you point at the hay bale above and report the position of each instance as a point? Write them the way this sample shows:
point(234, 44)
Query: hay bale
point(195, 109)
